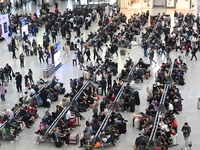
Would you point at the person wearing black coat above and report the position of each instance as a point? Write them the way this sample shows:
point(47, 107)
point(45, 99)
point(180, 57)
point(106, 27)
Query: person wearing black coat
point(109, 80)
point(103, 85)
point(18, 79)
point(194, 51)
point(88, 54)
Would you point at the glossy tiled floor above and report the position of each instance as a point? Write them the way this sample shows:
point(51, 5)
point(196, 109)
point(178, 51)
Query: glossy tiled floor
point(190, 91)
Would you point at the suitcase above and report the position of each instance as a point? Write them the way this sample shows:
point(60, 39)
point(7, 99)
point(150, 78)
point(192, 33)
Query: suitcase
point(137, 123)
point(132, 106)
point(88, 145)
point(198, 105)
point(179, 107)
point(72, 123)
point(58, 143)
point(121, 127)
point(129, 46)
point(137, 98)
point(142, 147)
point(174, 140)
point(31, 53)
point(9, 47)
point(72, 46)
point(99, 91)
point(122, 52)
point(146, 75)
point(158, 148)
point(73, 138)
point(5, 83)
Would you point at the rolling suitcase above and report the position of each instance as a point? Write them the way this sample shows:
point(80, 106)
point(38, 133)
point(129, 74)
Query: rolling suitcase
point(129, 46)
point(158, 148)
point(137, 123)
point(5, 83)
point(147, 76)
point(198, 105)
point(122, 52)
point(72, 46)
point(174, 140)
point(88, 145)
point(179, 107)
point(9, 47)
point(121, 127)
point(132, 106)
point(73, 138)
point(137, 98)
point(99, 91)
point(72, 123)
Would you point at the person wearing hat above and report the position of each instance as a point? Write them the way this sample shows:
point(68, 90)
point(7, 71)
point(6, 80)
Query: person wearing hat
point(86, 136)
point(186, 133)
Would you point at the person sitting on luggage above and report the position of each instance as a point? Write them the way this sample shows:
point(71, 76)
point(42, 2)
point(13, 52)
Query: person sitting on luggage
point(86, 136)
point(62, 135)
point(69, 114)
point(106, 139)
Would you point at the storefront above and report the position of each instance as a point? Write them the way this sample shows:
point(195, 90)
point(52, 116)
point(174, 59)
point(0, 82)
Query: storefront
point(4, 24)
point(145, 4)
point(135, 3)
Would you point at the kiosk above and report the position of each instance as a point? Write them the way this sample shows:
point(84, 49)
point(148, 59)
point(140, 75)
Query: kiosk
point(4, 24)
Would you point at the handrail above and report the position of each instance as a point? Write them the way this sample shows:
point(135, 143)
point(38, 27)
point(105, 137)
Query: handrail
point(162, 101)
point(18, 110)
point(66, 108)
point(110, 111)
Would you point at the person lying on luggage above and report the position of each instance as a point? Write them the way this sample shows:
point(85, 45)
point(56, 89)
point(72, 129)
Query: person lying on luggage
point(86, 136)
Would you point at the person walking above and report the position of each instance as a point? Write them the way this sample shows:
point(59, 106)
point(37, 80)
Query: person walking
point(30, 75)
point(66, 49)
point(41, 55)
point(187, 50)
point(151, 56)
point(2, 92)
point(181, 57)
point(47, 56)
point(95, 53)
point(194, 51)
point(88, 54)
point(14, 54)
point(21, 59)
point(18, 79)
point(8, 70)
point(186, 133)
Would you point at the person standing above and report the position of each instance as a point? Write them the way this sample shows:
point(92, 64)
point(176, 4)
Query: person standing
point(145, 46)
point(47, 54)
point(151, 56)
point(186, 133)
point(2, 92)
point(103, 85)
point(109, 80)
point(18, 79)
point(66, 49)
point(181, 57)
point(81, 61)
point(53, 34)
point(74, 59)
point(194, 51)
point(21, 59)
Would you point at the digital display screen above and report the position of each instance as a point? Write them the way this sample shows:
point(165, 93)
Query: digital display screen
point(57, 54)
point(57, 58)
point(24, 29)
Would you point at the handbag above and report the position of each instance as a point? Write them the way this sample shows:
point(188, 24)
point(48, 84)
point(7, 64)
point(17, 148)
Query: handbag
point(13, 74)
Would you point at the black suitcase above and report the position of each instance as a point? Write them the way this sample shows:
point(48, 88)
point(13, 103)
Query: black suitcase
point(9, 47)
point(132, 106)
point(102, 106)
point(86, 27)
point(122, 52)
point(129, 46)
point(31, 53)
point(72, 46)
point(58, 143)
point(137, 98)
point(122, 127)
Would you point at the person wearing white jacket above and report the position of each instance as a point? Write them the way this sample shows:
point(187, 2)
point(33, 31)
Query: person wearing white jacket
point(74, 59)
